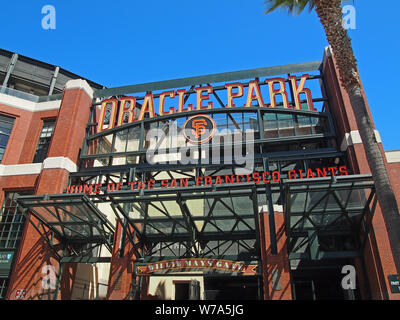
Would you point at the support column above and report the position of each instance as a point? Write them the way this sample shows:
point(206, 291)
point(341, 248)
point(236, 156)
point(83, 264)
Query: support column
point(276, 268)
point(122, 267)
point(10, 68)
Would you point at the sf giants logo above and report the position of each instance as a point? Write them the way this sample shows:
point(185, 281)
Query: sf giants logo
point(199, 129)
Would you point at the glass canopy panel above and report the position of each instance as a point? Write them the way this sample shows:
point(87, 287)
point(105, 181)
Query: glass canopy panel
point(71, 217)
point(159, 227)
point(324, 220)
point(231, 206)
point(322, 204)
point(357, 199)
point(297, 202)
point(228, 214)
point(316, 200)
point(300, 222)
point(167, 218)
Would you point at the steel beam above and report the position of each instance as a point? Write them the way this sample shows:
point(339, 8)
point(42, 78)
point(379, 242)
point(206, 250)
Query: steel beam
point(53, 80)
point(10, 68)
point(271, 213)
point(211, 78)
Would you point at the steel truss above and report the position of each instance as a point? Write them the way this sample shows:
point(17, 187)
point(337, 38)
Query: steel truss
point(71, 225)
point(142, 200)
point(157, 232)
point(193, 232)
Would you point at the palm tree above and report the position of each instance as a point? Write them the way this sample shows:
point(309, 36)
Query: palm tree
point(330, 15)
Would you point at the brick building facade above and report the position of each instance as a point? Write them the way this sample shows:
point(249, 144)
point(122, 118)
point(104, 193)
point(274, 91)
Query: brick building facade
point(51, 251)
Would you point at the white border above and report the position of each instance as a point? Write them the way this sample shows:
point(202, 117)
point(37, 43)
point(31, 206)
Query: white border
point(392, 156)
point(354, 137)
point(79, 84)
point(36, 168)
point(27, 105)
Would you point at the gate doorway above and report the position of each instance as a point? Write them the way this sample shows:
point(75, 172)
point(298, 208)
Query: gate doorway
point(187, 290)
point(231, 288)
point(321, 280)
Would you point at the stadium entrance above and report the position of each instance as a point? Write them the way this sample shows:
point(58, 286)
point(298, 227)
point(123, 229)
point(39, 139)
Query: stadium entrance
point(228, 197)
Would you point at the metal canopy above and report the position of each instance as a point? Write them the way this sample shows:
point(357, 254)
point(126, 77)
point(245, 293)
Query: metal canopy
point(328, 217)
point(190, 223)
point(69, 222)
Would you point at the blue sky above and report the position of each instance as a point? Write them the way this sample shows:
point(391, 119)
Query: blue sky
point(126, 42)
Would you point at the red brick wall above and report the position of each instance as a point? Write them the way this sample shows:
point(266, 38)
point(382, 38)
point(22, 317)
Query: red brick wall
point(34, 252)
point(25, 133)
point(33, 133)
point(121, 268)
point(17, 183)
point(18, 134)
point(394, 176)
point(71, 125)
point(278, 261)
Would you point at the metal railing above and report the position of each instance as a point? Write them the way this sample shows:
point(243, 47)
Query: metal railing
point(29, 96)
point(18, 94)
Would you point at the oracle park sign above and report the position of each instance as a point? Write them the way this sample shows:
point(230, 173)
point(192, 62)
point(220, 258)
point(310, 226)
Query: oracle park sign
point(121, 110)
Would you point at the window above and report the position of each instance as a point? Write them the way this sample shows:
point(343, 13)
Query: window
point(6, 125)
point(44, 141)
point(12, 221)
point(3, 288)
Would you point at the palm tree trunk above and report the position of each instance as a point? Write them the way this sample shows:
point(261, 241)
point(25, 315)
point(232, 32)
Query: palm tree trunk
point(384, 191)
point(330, 14)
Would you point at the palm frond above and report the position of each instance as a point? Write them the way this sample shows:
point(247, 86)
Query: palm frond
point(292, 6)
